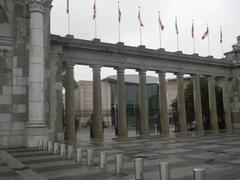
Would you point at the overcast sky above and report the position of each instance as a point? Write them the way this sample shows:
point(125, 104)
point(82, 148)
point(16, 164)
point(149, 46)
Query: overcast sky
point(216, 13)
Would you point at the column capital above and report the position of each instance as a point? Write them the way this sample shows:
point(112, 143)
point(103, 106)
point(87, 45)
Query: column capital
point(96, 67)
point(120, 70)
point(161, 73)
point(195, 76)
point(141, 71)
point(68, 65)
point(211, 77)
point(179, 74)
point(38, 5)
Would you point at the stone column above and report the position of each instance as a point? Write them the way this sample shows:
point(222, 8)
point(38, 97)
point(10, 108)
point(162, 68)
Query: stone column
point(226, 104)
point(197, 103)
point(70, 134)
point(212, 103)
point(181, 104)
point(122, 125)
point(36, 121)
point(143, 103)
point(164, 122)
point(97, 129)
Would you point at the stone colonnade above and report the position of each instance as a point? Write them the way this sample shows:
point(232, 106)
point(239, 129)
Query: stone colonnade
point(97, 129)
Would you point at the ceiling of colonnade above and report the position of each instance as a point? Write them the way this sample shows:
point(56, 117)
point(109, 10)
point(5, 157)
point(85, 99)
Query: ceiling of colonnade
point(216, 13)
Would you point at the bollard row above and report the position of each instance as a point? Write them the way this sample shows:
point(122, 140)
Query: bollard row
point(164, 167)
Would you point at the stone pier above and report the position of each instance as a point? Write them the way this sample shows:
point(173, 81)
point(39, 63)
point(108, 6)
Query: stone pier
point(181, 104)
point(122, 122)
point(212, 104)
point(143, 103)
point(164, 122)
point(97, 129)
point(36, 114)
point(197, 104)
point(70, 134)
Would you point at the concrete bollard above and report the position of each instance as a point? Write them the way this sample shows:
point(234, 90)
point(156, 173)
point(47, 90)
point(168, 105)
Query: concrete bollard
point(118, 164)
point(56, 148)
point(79, 154)
point(40, 144)
point(50, 146)
point(103, 159)
point(164, 171)
point(62, 150)
point(70, 152)
point(90, 157)
point(138, 164)
point(45, 145)
point(199, 174)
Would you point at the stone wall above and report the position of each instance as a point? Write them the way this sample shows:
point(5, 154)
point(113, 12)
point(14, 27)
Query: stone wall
point(13, 72)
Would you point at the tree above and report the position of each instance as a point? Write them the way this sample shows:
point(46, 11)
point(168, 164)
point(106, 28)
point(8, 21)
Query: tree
point(189, 101)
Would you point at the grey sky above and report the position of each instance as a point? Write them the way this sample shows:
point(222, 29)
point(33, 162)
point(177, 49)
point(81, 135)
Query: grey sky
point(216, 13)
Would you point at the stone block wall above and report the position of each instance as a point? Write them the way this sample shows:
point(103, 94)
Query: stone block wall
point(13, 73)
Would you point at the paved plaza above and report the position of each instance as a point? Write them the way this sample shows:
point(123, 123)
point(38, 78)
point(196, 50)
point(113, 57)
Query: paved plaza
point(219, 154)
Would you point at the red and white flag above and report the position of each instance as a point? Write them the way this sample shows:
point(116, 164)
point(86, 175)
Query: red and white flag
point(176, 26)
point(205, 34)
point(119, 14)
point(67, 6)
point(221, 35)
point(94, 10)
point(139, 18)
point(160, 22)
point(192, 29)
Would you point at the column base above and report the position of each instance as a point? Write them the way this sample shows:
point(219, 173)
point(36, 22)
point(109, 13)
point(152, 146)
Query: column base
point(70, 138)
point(144, 133)
point(122, 133)
point(97, 134)
point(164, 131)
point(34, 134)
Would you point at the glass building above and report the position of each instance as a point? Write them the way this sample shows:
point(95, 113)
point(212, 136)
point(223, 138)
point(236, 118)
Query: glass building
point(132, 101)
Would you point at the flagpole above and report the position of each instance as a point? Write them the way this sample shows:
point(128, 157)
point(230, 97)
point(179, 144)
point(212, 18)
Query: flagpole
point(160, 37)
point(221, 41)
point(140, 35)
point(176, 26)
point(95, 20)
point(194, 45)
point(69, 23)
point(208, 41)
point(68, 12)
point(140, 26)
point(119, 25)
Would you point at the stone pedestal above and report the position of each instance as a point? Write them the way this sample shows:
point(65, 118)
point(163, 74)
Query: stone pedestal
point(226, 104)
point(97, 129)
point(212, 104)
point(181, 104)
point(164, 123)
point(143, 103)
point(122, 125)
point(197, 104)
point(70, 134)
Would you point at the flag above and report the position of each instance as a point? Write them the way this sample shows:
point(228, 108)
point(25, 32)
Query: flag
point(160, 22)
point(176, 25)
point(221, 36)
point(139, 18)
point(192, 29)
point(67, 6)
point(205, 34)
point(119, 14)
point(94, 10)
